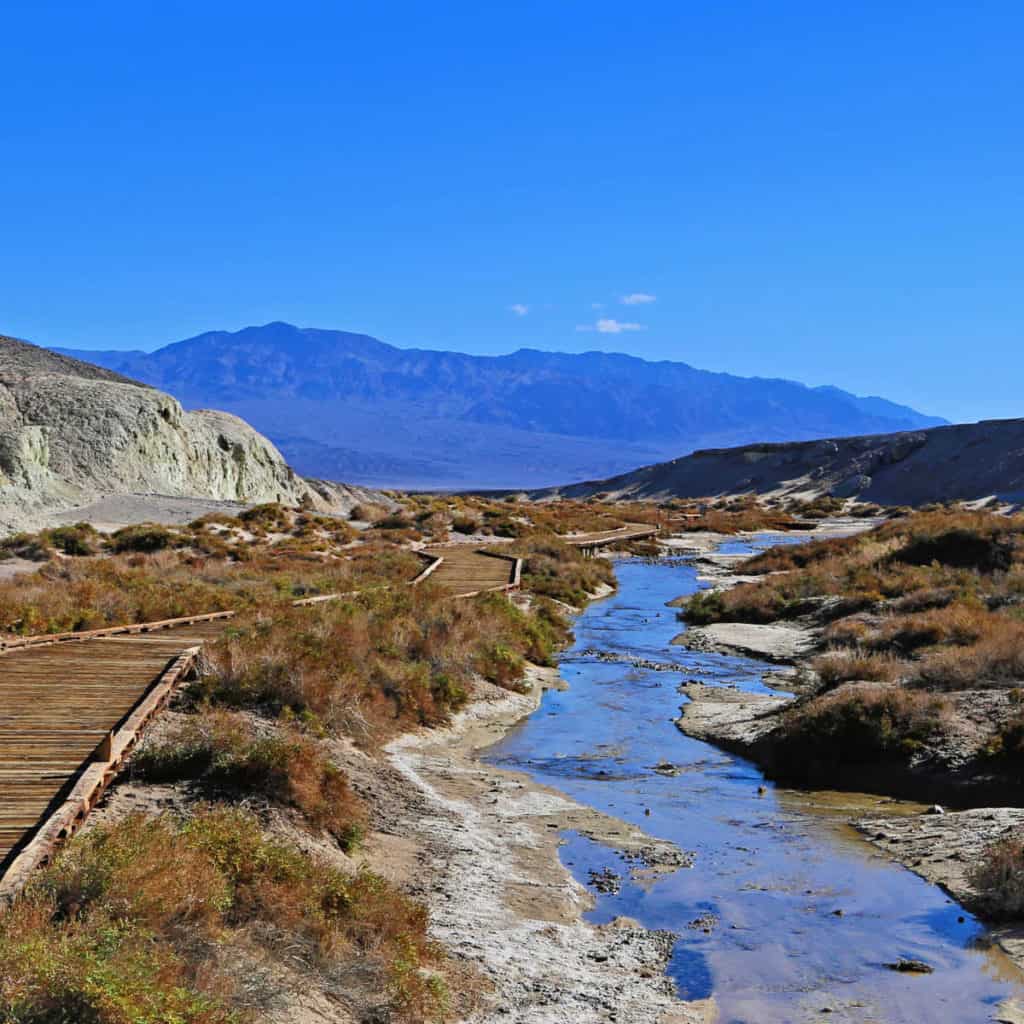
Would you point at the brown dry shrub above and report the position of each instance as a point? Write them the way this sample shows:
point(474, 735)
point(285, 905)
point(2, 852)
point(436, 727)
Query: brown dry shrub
point(836, 667)
point(849, 632)
point(998, 878)
point(859, 722)
point(957, 625)
point(554, 569)
point(121, 928)
point(81, 594)
point(379, 662)
point(996, 660)
point(225, 749)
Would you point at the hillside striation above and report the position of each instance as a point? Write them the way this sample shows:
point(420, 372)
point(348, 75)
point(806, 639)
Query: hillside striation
point(965, 462)
point(71, 433)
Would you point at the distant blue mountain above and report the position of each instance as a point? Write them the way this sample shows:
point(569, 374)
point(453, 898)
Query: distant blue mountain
point(349, 406)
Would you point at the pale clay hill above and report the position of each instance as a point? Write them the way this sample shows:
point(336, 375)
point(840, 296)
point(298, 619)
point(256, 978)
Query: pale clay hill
point(965, 462)
point(72, 434)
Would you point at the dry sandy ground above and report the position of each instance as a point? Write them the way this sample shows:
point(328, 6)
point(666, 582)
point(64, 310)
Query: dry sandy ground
point(114, 511)
point(783, 644)
point(726, 716)
point(10, 567)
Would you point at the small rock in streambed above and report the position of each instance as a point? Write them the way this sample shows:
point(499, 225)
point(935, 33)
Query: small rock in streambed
point(936, 809)
point(606, 881)
point(910, 966)
point(705, 923)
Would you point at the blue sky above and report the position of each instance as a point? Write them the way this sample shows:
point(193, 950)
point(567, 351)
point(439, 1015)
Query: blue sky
point(828, 192)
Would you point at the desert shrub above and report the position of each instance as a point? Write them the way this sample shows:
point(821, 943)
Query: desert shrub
point(998, 878)
point(119, 930)
point(224, 750)
point(865, 511)
point(997, 659)
point(375, 664)
point(702, 608)
point(396, 521)
point(1007, 742)
point(958, 625)
point(501, 526)
point(848, 632)
point(786, 557)
point(738, 518)
point(859, 722)
point(925, 599)
point(145, 538)
point(68, 595)
point(78, 540)
point(36, 547)
point(270, 517)
point(750, 602)
point(554, 569)
point(836, 667)
point(464, 524)
point(960, 547)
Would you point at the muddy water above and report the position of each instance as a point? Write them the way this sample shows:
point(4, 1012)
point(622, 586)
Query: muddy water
point(785, 915)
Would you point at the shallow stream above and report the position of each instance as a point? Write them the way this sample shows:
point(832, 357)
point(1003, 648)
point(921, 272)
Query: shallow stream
point(785, 916)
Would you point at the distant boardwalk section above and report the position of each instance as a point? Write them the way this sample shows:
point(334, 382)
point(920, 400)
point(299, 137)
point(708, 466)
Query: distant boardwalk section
point(466, 570)
point(589, 543)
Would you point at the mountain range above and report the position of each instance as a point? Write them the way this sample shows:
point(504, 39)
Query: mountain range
point(347, 406)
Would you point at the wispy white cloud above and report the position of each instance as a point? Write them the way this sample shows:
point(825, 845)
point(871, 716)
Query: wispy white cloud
point(608, 326)
point(597, 305)
point(519, 309)
point(638, 299)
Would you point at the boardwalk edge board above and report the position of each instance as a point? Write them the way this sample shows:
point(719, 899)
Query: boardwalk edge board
point(97, 775)
point(434, 560)
point(42, 639)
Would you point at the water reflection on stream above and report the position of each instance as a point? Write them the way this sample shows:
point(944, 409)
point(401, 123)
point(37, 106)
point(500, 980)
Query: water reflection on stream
point(785, 913)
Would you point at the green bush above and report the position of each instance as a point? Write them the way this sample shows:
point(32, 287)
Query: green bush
point(78, 540)
point(704, 607)
point(145, 538)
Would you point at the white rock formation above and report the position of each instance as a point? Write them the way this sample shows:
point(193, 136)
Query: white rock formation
point(71, 433)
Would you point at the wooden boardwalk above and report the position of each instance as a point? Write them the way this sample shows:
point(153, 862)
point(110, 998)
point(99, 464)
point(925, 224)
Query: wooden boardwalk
point(465, 569)
point(73, 705)
point(69, 714)
point(590, 542)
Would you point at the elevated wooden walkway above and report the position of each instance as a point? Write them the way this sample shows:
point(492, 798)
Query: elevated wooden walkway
point(467, 570)
point(72, 707)
point(589, 543)
point(69, 715)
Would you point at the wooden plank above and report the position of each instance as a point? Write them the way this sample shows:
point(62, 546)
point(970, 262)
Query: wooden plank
point(26, 798)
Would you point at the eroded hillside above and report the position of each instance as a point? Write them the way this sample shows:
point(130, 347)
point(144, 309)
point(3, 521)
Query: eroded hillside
point(71, 432)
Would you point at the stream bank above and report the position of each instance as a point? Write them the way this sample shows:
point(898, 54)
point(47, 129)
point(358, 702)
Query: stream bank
point(938, 847)
point(500, 899)
point(786, 914)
